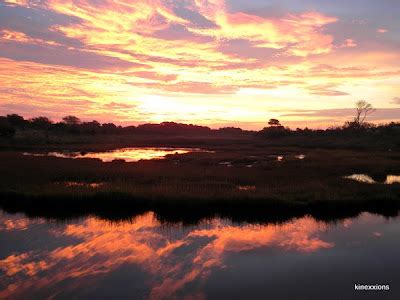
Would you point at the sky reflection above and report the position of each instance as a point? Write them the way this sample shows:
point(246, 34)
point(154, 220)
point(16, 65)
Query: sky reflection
point(126, 154)
point(169, 260)
point(103, 248)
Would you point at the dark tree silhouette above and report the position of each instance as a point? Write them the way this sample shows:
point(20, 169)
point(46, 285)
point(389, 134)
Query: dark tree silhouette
point(71, 120)
point(274, 123)
point(6, 129)
point(90, 127)
point(363, 109)
point(275, 129)
point(17, 121)
point(43, 123)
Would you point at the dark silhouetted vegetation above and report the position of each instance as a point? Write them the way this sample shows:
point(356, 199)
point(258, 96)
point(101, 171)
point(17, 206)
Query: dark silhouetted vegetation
point(198, 185)
point(73, 125)
point(242, 172)
point(71, 130)
point(6, 129)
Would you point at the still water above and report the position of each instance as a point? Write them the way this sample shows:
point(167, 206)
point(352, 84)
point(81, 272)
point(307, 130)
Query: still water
point(126, 154)
point(364, 178)
point(91, 258)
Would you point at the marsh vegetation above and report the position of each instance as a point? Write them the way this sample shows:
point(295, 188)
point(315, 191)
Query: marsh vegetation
point(202, 170)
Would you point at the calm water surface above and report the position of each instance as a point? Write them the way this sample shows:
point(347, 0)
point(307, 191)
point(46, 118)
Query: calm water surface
point(364, 178)
point(90, 258)
point(126, 154)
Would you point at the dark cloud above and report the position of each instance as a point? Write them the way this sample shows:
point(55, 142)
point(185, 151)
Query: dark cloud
point(246, 49)
point(38, 23)
point(179, 32)
point(23, 108)
point(197, 20)
point(63, 56)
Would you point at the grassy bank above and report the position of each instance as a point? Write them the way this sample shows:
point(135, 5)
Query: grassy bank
point(199, 184)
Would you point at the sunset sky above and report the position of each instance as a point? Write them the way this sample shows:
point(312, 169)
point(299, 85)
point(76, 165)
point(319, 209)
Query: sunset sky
point(210, 62)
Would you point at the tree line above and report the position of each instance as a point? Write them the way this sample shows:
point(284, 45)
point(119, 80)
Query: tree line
point(358, 125)
point(10, 123)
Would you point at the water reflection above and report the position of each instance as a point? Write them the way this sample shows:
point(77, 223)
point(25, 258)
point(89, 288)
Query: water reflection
point(169, 260)
point(126, 154)
point(92, 185)
point(390, 179)
point(361, 178)
point(246, 187)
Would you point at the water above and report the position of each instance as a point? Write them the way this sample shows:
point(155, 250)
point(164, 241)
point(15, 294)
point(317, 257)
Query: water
point(93, 185)
point(126, 154)
point(303, 258)
point(364, 178)
point(300, 156)
point(391, 179)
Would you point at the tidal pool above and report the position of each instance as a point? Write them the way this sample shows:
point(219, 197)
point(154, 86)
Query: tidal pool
point(91, 258)
point(364, 178)
point(126, 154)
point(93, 185)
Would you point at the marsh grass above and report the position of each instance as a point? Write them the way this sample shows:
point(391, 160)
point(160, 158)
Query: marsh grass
point(196, 184)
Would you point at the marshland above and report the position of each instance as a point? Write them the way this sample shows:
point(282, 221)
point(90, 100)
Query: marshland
point(170, 210)
point(73, 167)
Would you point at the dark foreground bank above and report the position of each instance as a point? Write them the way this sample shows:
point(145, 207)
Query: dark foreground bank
point(249, 183)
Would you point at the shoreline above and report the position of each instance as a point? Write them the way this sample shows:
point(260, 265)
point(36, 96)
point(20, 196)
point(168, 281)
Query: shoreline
point(120, 206)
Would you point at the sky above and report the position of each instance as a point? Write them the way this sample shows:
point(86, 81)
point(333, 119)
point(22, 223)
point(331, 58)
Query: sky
point(209, 62)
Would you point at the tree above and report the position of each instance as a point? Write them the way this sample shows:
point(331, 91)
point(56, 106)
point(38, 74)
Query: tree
point(17, 121)
point(274, 123)
point(275, 129)
point(42, 123)
point(108, 128)
point(91, 127)
point(363, 109)
point(71, 120)
point(6, 129)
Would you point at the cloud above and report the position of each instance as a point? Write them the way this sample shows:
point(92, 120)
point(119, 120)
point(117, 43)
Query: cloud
point(119, 106)
point(190, 87)
point(37, 23)
point(326, 90)
point(155, 76)
point(381, 114)
point(241, 56)
point(348, 43)
point(23, 48)
point(396, 100)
